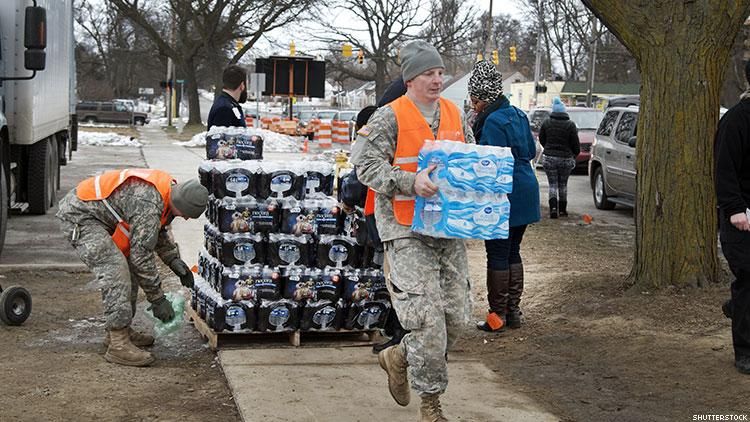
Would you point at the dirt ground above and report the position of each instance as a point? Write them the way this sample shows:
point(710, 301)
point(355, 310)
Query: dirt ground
point(53, 368)
point(591, 350)
point(594, 350)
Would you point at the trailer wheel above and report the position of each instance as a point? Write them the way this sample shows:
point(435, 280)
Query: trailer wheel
point(15, 305)
point(41, 174)
point(3, 207)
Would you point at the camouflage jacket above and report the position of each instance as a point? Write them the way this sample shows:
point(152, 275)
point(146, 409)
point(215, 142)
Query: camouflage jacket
point(373, 154)
point(141, 206)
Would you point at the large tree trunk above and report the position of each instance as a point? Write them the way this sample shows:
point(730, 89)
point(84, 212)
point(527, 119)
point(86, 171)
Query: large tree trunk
point(681, 49)
point(194, 105)
point(380, 73)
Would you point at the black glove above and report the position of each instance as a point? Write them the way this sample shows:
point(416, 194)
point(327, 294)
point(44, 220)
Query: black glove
point(181, 269)
point(162, 309)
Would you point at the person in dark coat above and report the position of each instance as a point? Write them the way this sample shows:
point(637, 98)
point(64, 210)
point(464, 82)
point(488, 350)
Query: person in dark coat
point(559, 137)
point(226, 110)
point(500, 124)
point(732, 171)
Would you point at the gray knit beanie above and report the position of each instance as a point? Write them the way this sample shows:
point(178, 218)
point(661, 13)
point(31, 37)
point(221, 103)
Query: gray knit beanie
point(418, 57)
point(190, 198)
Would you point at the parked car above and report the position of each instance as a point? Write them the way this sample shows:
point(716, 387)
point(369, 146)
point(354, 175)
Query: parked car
point(612, 164)
point(613, 154)
point(109, 112)
point(586, 119)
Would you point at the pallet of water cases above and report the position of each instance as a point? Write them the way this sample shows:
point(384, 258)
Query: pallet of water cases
point(341, 337)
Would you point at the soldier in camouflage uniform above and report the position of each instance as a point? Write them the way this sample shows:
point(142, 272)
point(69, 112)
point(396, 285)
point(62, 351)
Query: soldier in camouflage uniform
point(427, 277)
point(89, 226)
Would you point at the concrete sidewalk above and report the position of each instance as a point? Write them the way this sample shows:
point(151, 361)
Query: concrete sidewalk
point(346, 384)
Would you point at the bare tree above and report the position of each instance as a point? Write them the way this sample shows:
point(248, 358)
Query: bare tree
point(450, 28)
point(682, 50)
point(110, 47)
point(377, 29)
point(204, 27)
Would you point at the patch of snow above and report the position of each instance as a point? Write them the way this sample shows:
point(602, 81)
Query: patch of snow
point(272, 141)
point(109, 139)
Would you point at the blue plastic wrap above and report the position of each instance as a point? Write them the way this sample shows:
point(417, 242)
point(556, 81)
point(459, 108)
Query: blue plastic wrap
point(462, 215)
point(468, 167)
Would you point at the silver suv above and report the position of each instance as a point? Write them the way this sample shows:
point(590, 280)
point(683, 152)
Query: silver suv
point(612, 164)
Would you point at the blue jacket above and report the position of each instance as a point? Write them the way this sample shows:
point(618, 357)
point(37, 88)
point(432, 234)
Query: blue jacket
point(507, 126)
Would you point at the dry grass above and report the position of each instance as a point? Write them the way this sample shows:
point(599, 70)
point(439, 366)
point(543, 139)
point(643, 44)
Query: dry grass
point(129, 131)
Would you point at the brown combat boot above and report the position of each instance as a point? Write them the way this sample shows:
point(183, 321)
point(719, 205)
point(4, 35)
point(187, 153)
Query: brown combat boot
point(430, 409)
point(393, 362)
point(138, 339)
point(123, 352)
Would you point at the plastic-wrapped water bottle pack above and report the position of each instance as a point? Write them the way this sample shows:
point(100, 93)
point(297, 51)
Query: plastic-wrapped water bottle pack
point(462, 215)
point(226, 143)
point(267, 179)
point(468, 167)
point(473, 182)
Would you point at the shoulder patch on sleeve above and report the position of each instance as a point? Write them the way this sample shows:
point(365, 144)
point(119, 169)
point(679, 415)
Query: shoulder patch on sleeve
point(364, 131)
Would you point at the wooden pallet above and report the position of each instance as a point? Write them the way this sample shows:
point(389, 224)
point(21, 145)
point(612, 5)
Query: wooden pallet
point(215, 340)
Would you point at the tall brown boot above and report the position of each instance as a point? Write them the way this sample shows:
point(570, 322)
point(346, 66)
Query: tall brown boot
point(121, 351)
point(497, 298)
point(393, 361)
point(430, 409)
point(137, 338)
point(515, 290)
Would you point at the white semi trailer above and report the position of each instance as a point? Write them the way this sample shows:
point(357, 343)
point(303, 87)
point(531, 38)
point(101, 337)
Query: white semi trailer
point(38, 128)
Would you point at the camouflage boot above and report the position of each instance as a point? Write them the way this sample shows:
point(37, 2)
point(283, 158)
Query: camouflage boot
point(430, 409)
point(138, 339)
point(393, 362)
point(121, 351)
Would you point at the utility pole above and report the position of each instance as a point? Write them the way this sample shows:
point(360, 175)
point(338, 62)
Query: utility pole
point(488, 44)
point(592, 62)
point(538, 61)
point(170, 71)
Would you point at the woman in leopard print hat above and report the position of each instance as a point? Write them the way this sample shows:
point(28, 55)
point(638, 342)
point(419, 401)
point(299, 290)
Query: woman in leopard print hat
point(500, 124)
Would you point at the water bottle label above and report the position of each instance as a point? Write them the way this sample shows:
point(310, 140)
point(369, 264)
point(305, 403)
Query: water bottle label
point(237, 182)
point(486, 216)
point(485, 168)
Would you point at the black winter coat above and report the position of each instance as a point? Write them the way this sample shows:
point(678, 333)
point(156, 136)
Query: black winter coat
point(732, 158)
point(559, 136)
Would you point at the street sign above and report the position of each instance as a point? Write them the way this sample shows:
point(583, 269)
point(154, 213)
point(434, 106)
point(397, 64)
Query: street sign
point(257, 83)
point(145, 91)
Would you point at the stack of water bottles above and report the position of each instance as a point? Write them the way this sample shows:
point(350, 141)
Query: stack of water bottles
point(280, 254)
point(473, 182)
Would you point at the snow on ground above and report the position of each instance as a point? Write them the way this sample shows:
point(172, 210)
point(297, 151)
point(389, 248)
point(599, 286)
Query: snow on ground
point(272, 141)
point(109, 139)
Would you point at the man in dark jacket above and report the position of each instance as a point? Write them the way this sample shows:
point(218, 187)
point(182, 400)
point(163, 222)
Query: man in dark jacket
point(559, 137)
point(226, 110)
point(732, 155)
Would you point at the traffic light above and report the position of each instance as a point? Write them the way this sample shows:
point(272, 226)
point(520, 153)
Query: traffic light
point(495, 58)
point(292, 48)
point(479, 57)
point(513, 56)
point(239, 45)
point(346, 50)
point(360, 57)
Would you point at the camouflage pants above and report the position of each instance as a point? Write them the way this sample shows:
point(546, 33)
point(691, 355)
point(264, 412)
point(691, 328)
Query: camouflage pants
point(96, 249)
point(430, 292)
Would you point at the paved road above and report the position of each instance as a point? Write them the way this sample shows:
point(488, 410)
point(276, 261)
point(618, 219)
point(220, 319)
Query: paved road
point(580, 201)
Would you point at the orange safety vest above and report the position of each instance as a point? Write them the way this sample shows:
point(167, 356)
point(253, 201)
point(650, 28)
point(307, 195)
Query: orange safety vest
point(99, 188)
point(413, 130)
point(370, 202)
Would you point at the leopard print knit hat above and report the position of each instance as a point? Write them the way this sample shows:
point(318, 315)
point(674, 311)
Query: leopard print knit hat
point(486, 82)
